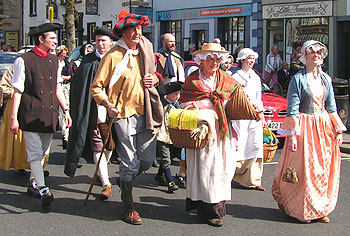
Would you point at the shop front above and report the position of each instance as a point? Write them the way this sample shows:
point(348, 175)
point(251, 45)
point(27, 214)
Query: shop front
point(230, 23)
point(288, 26)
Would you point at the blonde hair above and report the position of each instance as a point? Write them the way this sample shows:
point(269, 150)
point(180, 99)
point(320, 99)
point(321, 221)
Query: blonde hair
point(60, 49)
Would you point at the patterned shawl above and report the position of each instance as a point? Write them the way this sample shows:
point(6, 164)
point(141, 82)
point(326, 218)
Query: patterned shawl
point(193, 90)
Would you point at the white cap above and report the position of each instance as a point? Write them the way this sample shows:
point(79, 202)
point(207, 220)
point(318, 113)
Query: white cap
point(316, 46)
point(246, 52)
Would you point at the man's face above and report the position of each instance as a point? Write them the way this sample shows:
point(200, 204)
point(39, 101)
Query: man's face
point(132, 36)
point(50, 41)
point(169, 43)
point(103, 43)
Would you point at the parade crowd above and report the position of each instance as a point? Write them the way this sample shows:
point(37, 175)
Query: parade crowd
point(119, 99)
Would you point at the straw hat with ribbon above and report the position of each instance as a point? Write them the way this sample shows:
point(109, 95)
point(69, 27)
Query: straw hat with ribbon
point(210, 49)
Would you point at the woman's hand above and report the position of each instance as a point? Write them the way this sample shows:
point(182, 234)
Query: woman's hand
point(292, 144)
point(259, 115)
point(339, 138)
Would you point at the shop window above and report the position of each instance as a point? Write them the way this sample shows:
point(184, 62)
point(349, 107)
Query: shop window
point(234, 33)
point(91, 29)
point(301, 30)
point(175, 27)
point(32, 7)
point(108, 24)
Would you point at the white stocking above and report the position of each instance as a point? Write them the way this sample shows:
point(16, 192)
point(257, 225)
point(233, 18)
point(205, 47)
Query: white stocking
point(103, 169)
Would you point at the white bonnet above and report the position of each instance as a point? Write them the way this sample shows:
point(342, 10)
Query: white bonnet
point(246, 52)
point(316, 46)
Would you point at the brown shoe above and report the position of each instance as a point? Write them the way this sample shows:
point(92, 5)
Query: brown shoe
point(260, 188)
point(216, 222)
point(106, 192)
point(324, 219)
point(132, 217)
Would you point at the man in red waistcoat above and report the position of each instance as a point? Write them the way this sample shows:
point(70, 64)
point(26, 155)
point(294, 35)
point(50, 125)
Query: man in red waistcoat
point(37, 95)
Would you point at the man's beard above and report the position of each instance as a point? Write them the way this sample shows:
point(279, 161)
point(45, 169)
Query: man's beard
point(171, 49)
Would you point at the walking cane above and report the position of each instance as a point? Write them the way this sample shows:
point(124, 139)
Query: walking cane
point(103, 147)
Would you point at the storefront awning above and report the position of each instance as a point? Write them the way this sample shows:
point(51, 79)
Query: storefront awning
point(323, 38)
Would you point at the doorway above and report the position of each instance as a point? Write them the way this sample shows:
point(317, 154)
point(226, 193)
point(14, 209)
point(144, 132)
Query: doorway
point(198, 37)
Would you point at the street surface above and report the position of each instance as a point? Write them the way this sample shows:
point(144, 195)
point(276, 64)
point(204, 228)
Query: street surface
point(250, 212)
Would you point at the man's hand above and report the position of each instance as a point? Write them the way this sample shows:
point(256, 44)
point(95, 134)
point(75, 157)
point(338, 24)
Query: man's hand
point(14, 126)
point(68, 119)
point(111, 110)
point(149, 81)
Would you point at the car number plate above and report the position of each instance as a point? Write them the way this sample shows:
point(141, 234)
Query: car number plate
point(274, 125)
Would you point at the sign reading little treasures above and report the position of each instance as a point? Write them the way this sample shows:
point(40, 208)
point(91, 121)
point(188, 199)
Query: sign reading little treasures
point(295, 10)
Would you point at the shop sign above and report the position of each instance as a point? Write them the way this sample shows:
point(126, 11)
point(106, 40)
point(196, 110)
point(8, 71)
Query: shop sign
point(294, 10)
point(227, 11)
point(143, 11)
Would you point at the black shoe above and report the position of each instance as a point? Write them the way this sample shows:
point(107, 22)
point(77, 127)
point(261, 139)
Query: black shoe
point(116, 160)
point(32, 188)
point(155, 163)
point(181, 182)
point(46, 197)
point(161, 180)
point(172, 187)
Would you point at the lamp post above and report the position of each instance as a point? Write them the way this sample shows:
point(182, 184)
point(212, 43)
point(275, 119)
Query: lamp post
point(130, 8)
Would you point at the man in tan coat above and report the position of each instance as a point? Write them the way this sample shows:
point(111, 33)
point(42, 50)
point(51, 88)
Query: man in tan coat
point(122, 72)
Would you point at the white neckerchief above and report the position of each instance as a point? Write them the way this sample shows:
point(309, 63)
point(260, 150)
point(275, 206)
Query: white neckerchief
point(121, 66)
point(99, 55)
point(244, 77)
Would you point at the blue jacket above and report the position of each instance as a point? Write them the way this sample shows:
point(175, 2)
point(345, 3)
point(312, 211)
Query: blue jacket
point(297, 89)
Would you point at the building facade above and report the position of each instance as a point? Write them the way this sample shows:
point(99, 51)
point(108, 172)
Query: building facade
point(233, 22)
point(10, 23)
point(289, 23)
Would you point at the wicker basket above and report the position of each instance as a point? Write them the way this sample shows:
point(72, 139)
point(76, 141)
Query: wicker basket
point(239, 106)
point(183, 138)
point(270, 148)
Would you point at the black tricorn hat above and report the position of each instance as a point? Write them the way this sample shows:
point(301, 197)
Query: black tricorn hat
point(169, 88)
point(103, 30)
point(47, 27)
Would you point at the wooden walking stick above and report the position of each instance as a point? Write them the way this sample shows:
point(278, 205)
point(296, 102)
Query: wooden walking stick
point(103, 147)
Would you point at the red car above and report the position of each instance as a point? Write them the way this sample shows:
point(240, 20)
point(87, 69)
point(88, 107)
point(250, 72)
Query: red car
point(275, 105)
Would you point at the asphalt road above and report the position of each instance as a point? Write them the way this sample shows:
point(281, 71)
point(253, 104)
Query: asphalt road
point(249, 212)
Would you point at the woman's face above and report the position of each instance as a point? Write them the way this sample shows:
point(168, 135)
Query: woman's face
point(248, 62)
point(62, 55)
point(227, 64)
point(313, 58)
point(211, 65)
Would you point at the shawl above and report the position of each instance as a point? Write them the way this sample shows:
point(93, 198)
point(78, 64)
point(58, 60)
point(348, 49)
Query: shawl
point(193, 90)
point(154, 113)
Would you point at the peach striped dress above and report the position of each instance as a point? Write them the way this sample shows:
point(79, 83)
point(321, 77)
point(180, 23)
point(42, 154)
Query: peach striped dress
point(317, 163)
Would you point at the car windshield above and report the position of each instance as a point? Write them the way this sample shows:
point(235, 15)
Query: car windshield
point(7, 58)
point(75, 54)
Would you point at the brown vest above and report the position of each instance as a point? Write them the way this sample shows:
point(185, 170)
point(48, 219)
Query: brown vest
point(38, 110)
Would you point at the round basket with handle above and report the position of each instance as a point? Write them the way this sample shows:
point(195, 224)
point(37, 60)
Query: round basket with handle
point(270, 148)
point(239, 106)
point(184, 138)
